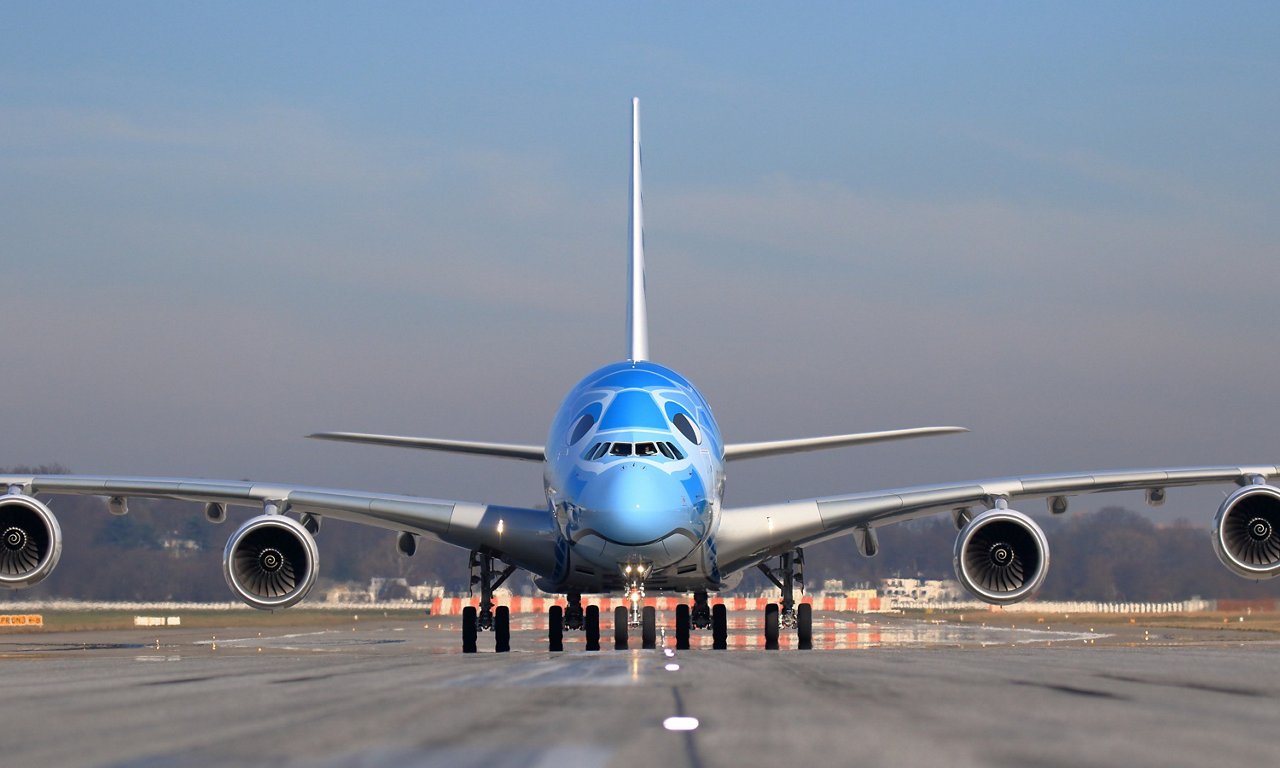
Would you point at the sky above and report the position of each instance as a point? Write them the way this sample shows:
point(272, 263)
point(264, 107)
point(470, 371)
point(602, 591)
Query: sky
point(225, 226)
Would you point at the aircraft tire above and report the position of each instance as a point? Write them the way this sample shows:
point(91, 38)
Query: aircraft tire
point(719, 627)
point(620, 628)
point(771, 627)
point(682, 627)
point(555, 629)
point(649, 627)
point(591, 622)
point(469, 629)
point(804, 626)
point(502, 629)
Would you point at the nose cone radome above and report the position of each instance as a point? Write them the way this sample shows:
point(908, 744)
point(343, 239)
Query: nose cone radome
point(635, 504)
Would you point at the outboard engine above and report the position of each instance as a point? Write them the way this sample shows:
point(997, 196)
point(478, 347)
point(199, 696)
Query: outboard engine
point(1001, 556)
point(1246, 532)
point(30, 541)
point(270, 562)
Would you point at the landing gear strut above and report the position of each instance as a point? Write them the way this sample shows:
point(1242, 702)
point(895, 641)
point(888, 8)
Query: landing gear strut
point(789, 571)
point(573, 616)
point(700, 615)
point(486, 619)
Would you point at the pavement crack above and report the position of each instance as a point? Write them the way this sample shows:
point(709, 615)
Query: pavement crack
point(1191, 686)
point(1074, 691)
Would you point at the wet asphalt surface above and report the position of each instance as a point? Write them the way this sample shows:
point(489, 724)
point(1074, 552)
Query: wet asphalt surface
point(873, 692)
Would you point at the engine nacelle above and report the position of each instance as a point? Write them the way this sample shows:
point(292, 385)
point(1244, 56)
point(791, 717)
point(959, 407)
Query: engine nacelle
point(1246, 532)
point(30, 541)
point(1001, 556)
point(271, 562)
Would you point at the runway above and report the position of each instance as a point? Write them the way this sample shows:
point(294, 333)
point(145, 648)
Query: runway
point(384, 693)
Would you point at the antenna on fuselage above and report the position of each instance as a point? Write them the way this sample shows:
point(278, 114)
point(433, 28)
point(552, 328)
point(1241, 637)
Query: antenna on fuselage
point(637, 312)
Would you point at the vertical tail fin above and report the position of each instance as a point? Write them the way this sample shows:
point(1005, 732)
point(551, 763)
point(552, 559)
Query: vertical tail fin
point(637, 311)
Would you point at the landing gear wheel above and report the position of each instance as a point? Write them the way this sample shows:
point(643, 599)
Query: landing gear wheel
point(682, 627)
point(592, 622)
point(620, 628)
point(804, 626)
point(719, 627)
point(649, 627)
point(771, 627)
point(502, 629)
point(469, 629)
point(555, 629)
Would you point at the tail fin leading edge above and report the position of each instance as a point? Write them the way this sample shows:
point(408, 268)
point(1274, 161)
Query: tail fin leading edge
point(637, 311)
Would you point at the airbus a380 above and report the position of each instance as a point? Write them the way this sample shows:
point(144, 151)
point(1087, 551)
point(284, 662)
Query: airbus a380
point(634, 477)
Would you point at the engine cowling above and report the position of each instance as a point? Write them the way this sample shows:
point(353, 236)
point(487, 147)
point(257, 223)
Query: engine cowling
point(270, 562)
point(1246, 532)
point(30, 541)
point(1001, 556)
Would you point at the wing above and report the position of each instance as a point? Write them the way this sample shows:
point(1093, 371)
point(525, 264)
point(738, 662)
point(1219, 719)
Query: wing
point(503, 450)
point(524, 537)
point(747, 535)
point(775, 447)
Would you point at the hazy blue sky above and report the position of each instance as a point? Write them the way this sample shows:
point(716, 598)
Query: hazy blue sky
point(224, 226)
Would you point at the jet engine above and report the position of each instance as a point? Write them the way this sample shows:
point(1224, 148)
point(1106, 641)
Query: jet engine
point(30, 541)
point(1246, 532)
point(270, 562)
point(1001, 556)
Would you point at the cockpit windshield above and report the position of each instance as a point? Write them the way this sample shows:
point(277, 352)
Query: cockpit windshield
point(647, 450)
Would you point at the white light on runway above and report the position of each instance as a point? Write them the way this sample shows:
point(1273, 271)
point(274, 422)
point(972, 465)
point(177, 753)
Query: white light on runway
point(680, 723)
point(669, 653)
point(672, 667)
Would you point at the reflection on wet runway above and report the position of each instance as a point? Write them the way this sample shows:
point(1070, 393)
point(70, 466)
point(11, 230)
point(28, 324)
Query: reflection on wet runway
point(830, 633)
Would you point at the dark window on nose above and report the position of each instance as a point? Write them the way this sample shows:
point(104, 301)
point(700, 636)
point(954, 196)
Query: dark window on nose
point(580, 430)
point(620, 449)
point(686, 427)
point(646, 449)
point(666, 450)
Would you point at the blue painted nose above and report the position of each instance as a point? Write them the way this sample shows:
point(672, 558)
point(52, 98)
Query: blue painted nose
point(636, 504)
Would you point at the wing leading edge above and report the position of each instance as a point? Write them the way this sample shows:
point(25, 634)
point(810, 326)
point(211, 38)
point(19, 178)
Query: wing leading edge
point(776, 447)
point(525, 537)
point(748, 534)
point(502, 450)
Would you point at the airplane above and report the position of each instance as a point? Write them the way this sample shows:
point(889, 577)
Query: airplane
point(634, 477)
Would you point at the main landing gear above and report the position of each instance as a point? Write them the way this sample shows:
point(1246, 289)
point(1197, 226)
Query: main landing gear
point(785, 576)
point(701, 615)
point(487, 618)
point(574, 617)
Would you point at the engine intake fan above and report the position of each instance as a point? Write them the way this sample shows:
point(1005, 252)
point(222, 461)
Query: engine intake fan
point(270, 562)
point(1246, 532)
point(1001, 556)
point(30, 541)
